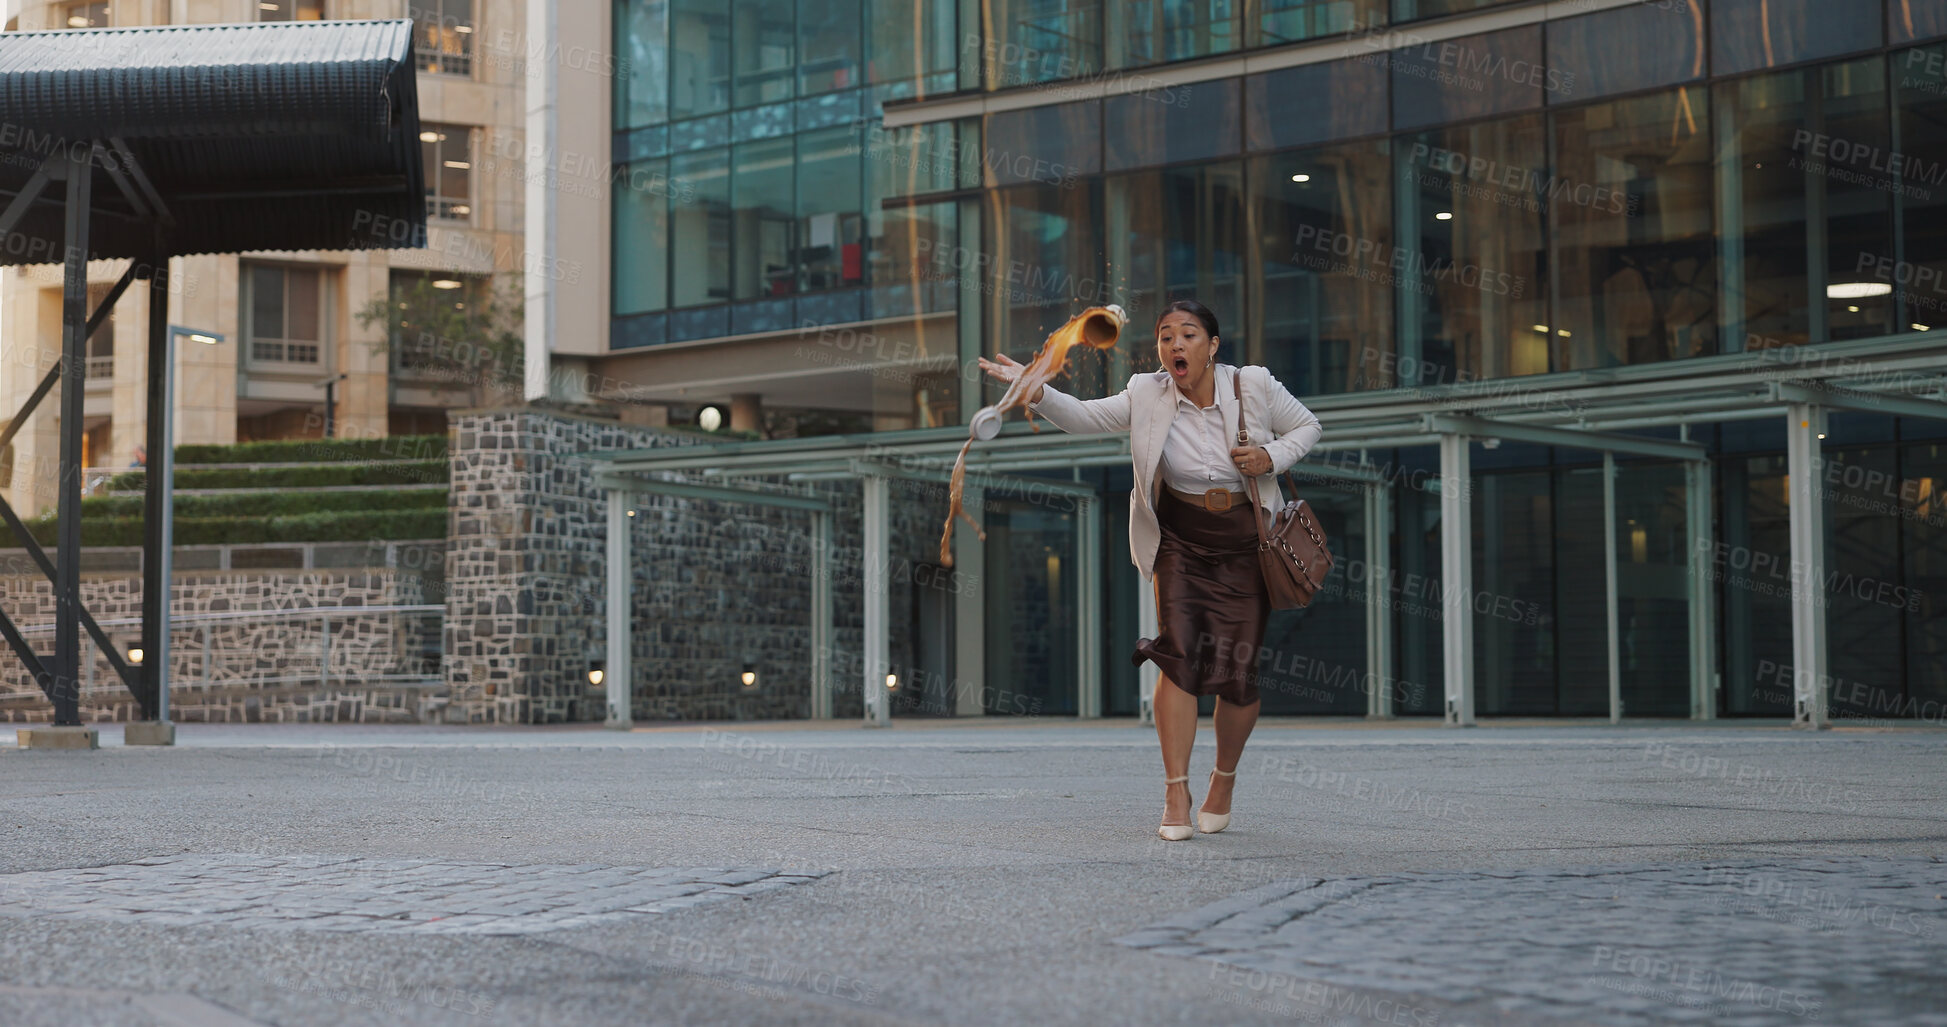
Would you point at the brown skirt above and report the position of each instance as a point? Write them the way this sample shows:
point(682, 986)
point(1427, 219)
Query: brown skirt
point(1210, 600)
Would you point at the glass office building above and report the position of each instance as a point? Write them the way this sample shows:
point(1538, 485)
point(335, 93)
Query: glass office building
point(1645, 234)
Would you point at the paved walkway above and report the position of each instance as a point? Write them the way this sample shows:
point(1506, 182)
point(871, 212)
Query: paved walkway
point(1001, 872)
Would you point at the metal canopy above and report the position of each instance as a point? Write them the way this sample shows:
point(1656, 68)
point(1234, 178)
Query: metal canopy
point(275, 136)
point(1904, 375)
point(150, 143)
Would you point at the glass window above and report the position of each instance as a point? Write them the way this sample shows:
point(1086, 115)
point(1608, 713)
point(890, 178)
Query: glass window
point(699, 49)
point(286, 314)
point(1913, 20)
point(642, 79)
point(1920, 79)
point(1139, 32)
point(1864, 602)
point(642, 197)
point(1626, 49)
point(1757, 642)
point(1469, 77)
point(1408, 10)
point(765, 41)
point(1746, 35)
point(443, 35)
point(905, 275)
point(763, 245)
point(699, 228)
point(446, 155)
point(1030, 41)
point(1634, 256)
point(1046, 266)
point(1923, 512)
point(1169, 124)
point(1514, 631)
point(1050, 145)
point(829, 40)
point(95, 15)
point(441, 299)
point(1340, 99)
point(288, 10)
point(914, 46)
point(1471, 259)
point(908, 162)
point(1322, 320)
point(1176, 234)
point(1798, 167)
point(1290, 21)
point(831, 223)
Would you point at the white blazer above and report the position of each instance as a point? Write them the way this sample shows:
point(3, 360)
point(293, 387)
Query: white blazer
point(1145, 410)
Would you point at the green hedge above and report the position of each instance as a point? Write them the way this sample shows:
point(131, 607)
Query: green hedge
point(341, 526)
point(269, 504)
point(418, 472)
point(297, 451)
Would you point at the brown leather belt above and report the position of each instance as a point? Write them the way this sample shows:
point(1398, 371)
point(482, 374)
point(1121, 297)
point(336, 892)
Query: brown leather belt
point(1214, 500)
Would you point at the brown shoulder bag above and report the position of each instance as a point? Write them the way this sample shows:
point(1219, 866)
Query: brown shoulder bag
point(1292, 554)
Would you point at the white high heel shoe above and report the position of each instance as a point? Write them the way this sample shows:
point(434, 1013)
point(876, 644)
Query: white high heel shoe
point(1211, 823)
point(1175, 832)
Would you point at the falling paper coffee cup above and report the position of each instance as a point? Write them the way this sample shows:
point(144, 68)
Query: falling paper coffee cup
point(986, 424)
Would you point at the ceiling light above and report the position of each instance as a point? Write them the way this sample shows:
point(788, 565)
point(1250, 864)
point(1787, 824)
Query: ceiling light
point(207, 340)
point(458, 165)
point(1563, 332)
point(1443, 216)
point(1856, 290)
point(445, 283)
point(1301, 178)
point(1921, 328)
point(1852, 310)
point(1543, 329)
point(710, 419)
point(430, 136)
point(461, 208)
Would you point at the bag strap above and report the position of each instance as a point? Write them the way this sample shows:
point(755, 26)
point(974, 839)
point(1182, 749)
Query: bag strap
point(1241, 435)
point(1250, 480)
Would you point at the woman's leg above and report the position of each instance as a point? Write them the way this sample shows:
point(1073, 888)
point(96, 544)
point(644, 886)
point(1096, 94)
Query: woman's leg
point(1234, 724)
point(1176, 729)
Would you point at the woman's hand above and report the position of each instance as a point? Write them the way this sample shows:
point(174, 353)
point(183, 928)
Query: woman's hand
point(1251, 461)
point(1007, 370)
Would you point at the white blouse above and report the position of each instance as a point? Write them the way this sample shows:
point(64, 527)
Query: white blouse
point(1196, 455)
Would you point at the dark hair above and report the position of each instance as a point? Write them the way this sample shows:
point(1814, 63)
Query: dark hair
point(1194, 309)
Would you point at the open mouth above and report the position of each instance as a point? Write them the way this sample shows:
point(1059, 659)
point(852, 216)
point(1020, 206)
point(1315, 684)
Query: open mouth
point(1180, 366)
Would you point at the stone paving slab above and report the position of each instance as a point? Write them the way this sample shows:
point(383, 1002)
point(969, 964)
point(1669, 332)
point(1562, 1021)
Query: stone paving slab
point(402, 896)
point(1740, 942)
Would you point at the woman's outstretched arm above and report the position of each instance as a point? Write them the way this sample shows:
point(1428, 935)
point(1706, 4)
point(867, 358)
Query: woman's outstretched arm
point(1074, 416)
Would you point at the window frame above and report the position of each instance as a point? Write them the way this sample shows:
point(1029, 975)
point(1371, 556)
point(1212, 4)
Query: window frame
point(439, 206)
point(247, 322)
point(440, 61)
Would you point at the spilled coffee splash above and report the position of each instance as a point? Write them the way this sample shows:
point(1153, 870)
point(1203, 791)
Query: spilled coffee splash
point(1098, 327)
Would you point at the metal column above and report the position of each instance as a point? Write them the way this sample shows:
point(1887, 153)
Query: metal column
point(970, 616)
point(1703, 613)
point(1457, 579)
point(616, 675)
point(821, 615)
point(74, 358)
point(877, 656)
point(1613, 606)
point(1088, 608)
point(158, 507)
point(1379, 618)
point(1804, 427)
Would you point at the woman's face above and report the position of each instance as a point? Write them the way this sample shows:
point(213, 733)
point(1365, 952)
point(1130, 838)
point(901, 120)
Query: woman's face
point(1183, 348)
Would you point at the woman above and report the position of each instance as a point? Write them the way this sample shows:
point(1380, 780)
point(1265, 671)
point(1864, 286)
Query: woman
point(1190, 530)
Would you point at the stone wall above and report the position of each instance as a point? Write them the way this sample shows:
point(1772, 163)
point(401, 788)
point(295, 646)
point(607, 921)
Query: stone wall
point(376, 667)
point(714, 585)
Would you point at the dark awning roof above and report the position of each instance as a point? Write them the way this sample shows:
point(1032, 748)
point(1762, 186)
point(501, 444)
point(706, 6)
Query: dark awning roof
point(285, 136)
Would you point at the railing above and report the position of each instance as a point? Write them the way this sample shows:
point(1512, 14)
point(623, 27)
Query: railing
point(98, 368)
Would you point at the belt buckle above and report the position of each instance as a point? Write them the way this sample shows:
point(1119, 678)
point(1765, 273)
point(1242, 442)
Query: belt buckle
point(1210, 498)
